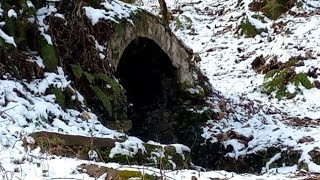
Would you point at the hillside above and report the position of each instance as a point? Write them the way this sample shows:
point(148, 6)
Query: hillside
point(260, 116)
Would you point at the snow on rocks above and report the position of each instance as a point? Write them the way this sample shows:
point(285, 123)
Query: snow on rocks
point(180, 149)
point(130, 147)
point(114, 10)
point(95, 14)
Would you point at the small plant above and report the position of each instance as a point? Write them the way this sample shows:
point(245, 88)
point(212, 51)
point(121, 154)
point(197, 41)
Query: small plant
point(182, 21)
point(273, 9)
point(249, 30)
point(102, 97)
point(60, 97)
point(277, 80)
point(48, 54)
point(105, 89)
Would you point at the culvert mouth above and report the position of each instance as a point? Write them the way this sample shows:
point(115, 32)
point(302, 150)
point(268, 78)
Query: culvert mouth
point(151, 83)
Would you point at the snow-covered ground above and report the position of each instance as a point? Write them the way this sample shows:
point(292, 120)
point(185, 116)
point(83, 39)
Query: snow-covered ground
point(209, 28)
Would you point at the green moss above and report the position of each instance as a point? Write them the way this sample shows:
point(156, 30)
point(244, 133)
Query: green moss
point(274, 165)
point(290, 157)
point(48, 54)
point(119, 28)
point(139, 18)
point(178, 23)
point(124, 175)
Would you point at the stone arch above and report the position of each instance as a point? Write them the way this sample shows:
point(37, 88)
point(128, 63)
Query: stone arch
point(148, 26)
point(179, 73)
point(151, 83)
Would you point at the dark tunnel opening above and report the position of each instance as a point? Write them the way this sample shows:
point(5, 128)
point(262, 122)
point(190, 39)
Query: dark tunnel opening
point(150, 80)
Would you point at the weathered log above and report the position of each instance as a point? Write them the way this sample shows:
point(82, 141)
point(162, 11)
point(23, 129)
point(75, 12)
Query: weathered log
point(98, 171)
point(79, 146)
point(74, 140)
point(68, 145)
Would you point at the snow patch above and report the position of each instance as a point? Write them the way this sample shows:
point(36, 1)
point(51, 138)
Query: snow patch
point(114, 10)
point(180, 149)
point(42, 13)
point(7, 39)
point(12, 14)
point(130, 147)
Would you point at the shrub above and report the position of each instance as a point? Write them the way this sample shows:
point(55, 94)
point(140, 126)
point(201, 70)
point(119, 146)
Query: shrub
point(249, 30)
point(276, 80)
point(273, 9)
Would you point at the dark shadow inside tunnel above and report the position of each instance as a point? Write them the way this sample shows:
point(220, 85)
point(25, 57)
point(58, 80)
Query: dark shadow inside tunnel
point(150, 80)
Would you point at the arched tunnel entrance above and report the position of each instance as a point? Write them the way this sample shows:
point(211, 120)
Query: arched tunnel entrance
point(151, 83)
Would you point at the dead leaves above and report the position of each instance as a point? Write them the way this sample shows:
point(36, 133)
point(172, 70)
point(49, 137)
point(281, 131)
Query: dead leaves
point(305, 122)
point(306, 139)
point(234, 135)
